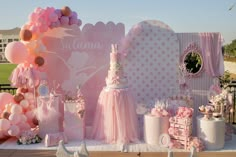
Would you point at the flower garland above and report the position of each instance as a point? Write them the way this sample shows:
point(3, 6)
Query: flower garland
point(29, 137)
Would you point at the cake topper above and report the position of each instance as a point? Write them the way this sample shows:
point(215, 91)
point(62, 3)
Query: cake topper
point(114, 48)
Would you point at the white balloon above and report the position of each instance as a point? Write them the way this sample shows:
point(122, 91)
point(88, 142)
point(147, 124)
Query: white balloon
point(24, 103)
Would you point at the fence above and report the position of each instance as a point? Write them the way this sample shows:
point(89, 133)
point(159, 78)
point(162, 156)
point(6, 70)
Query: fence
point(7, 88)
point(232, 88)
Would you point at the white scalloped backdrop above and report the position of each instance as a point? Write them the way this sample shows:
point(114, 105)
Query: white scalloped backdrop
point(152, 56)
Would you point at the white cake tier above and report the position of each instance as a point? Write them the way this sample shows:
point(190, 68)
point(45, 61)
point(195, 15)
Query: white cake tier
point(212, 132)
point(116, 82)
point(154, 127)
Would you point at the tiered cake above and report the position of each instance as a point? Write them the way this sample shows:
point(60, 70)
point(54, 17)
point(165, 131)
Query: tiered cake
point(116, 77)
point(115, 119)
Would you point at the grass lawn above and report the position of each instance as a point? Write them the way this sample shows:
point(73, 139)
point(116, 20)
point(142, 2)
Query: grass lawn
point(5, 72)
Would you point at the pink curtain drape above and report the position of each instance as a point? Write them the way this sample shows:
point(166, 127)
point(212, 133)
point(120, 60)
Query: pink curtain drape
point(211, 44)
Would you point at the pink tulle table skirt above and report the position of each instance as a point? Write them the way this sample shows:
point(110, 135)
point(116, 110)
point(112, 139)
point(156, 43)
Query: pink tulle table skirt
point(115, 119)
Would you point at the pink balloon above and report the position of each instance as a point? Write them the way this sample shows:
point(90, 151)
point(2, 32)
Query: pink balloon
point(64, 20)
point(30, 115)
point(73, 21)
point(58, 12)
point(43, 28)
point(5, 98)
point(24, 126)
point(16, 52)
point(74, 15)
point(4, 124)
point(2, 134)
point(29, 96)
point(15, 118)
point(33, 29)
point(14, 130)
point(24, 104)
point(16, 109)
point(32, 17)
point(53, 17)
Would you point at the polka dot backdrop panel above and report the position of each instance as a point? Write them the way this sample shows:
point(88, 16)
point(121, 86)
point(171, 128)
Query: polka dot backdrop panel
point(151, 51)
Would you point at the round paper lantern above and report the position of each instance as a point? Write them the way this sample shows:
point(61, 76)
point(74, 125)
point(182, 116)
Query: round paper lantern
point(18, 97)
point(16, 52)
point(66, 11)
point(5, 98)
point(13, 130)
point(25, 34)
point(4, 124)
point(39, 61)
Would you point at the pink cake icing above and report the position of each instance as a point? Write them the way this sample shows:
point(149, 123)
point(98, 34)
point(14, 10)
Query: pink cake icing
point(116, 77)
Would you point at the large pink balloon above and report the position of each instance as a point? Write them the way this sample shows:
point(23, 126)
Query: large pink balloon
point(14, 130)
point(5, 98)
point(4, 124)
point(16, 52)
point(15, 118)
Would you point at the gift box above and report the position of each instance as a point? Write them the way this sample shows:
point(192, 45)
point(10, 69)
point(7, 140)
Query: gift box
point(74, 124)
point(53, 139)
point(50, 113)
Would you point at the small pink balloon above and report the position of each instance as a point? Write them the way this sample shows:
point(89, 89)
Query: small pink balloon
point(30, 115)
point(23, 118)
point(74, 15)
point(53, 17)
point(16, 52)
point(73, 21)
point(32, 17)
point(15, 118)
point(43, 28)
point(2, 134)
point(14, 130)
point(16, 109)
point(4, 124)
point(38, 10)
point(33, 29)
point(58, 12)
point(24, 104)
point(29, 96)
point(64, 20)
point(24, 126)
point(5, 98)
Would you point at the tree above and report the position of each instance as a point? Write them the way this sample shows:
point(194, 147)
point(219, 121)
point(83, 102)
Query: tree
point(230, 49)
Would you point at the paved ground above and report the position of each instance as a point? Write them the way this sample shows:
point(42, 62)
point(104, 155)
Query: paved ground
point(230, 66)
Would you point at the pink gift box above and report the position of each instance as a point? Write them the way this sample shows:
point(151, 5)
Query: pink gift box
point(54, 139)
point(50, 112)
point(74, 125)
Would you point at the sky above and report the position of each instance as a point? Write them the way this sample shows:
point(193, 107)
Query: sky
point(180, 15)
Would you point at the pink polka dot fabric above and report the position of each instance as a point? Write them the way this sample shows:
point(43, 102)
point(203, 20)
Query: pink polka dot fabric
point(151, 62)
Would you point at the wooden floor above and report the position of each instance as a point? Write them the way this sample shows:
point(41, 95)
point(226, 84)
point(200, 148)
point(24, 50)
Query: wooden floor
point(51, 153)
